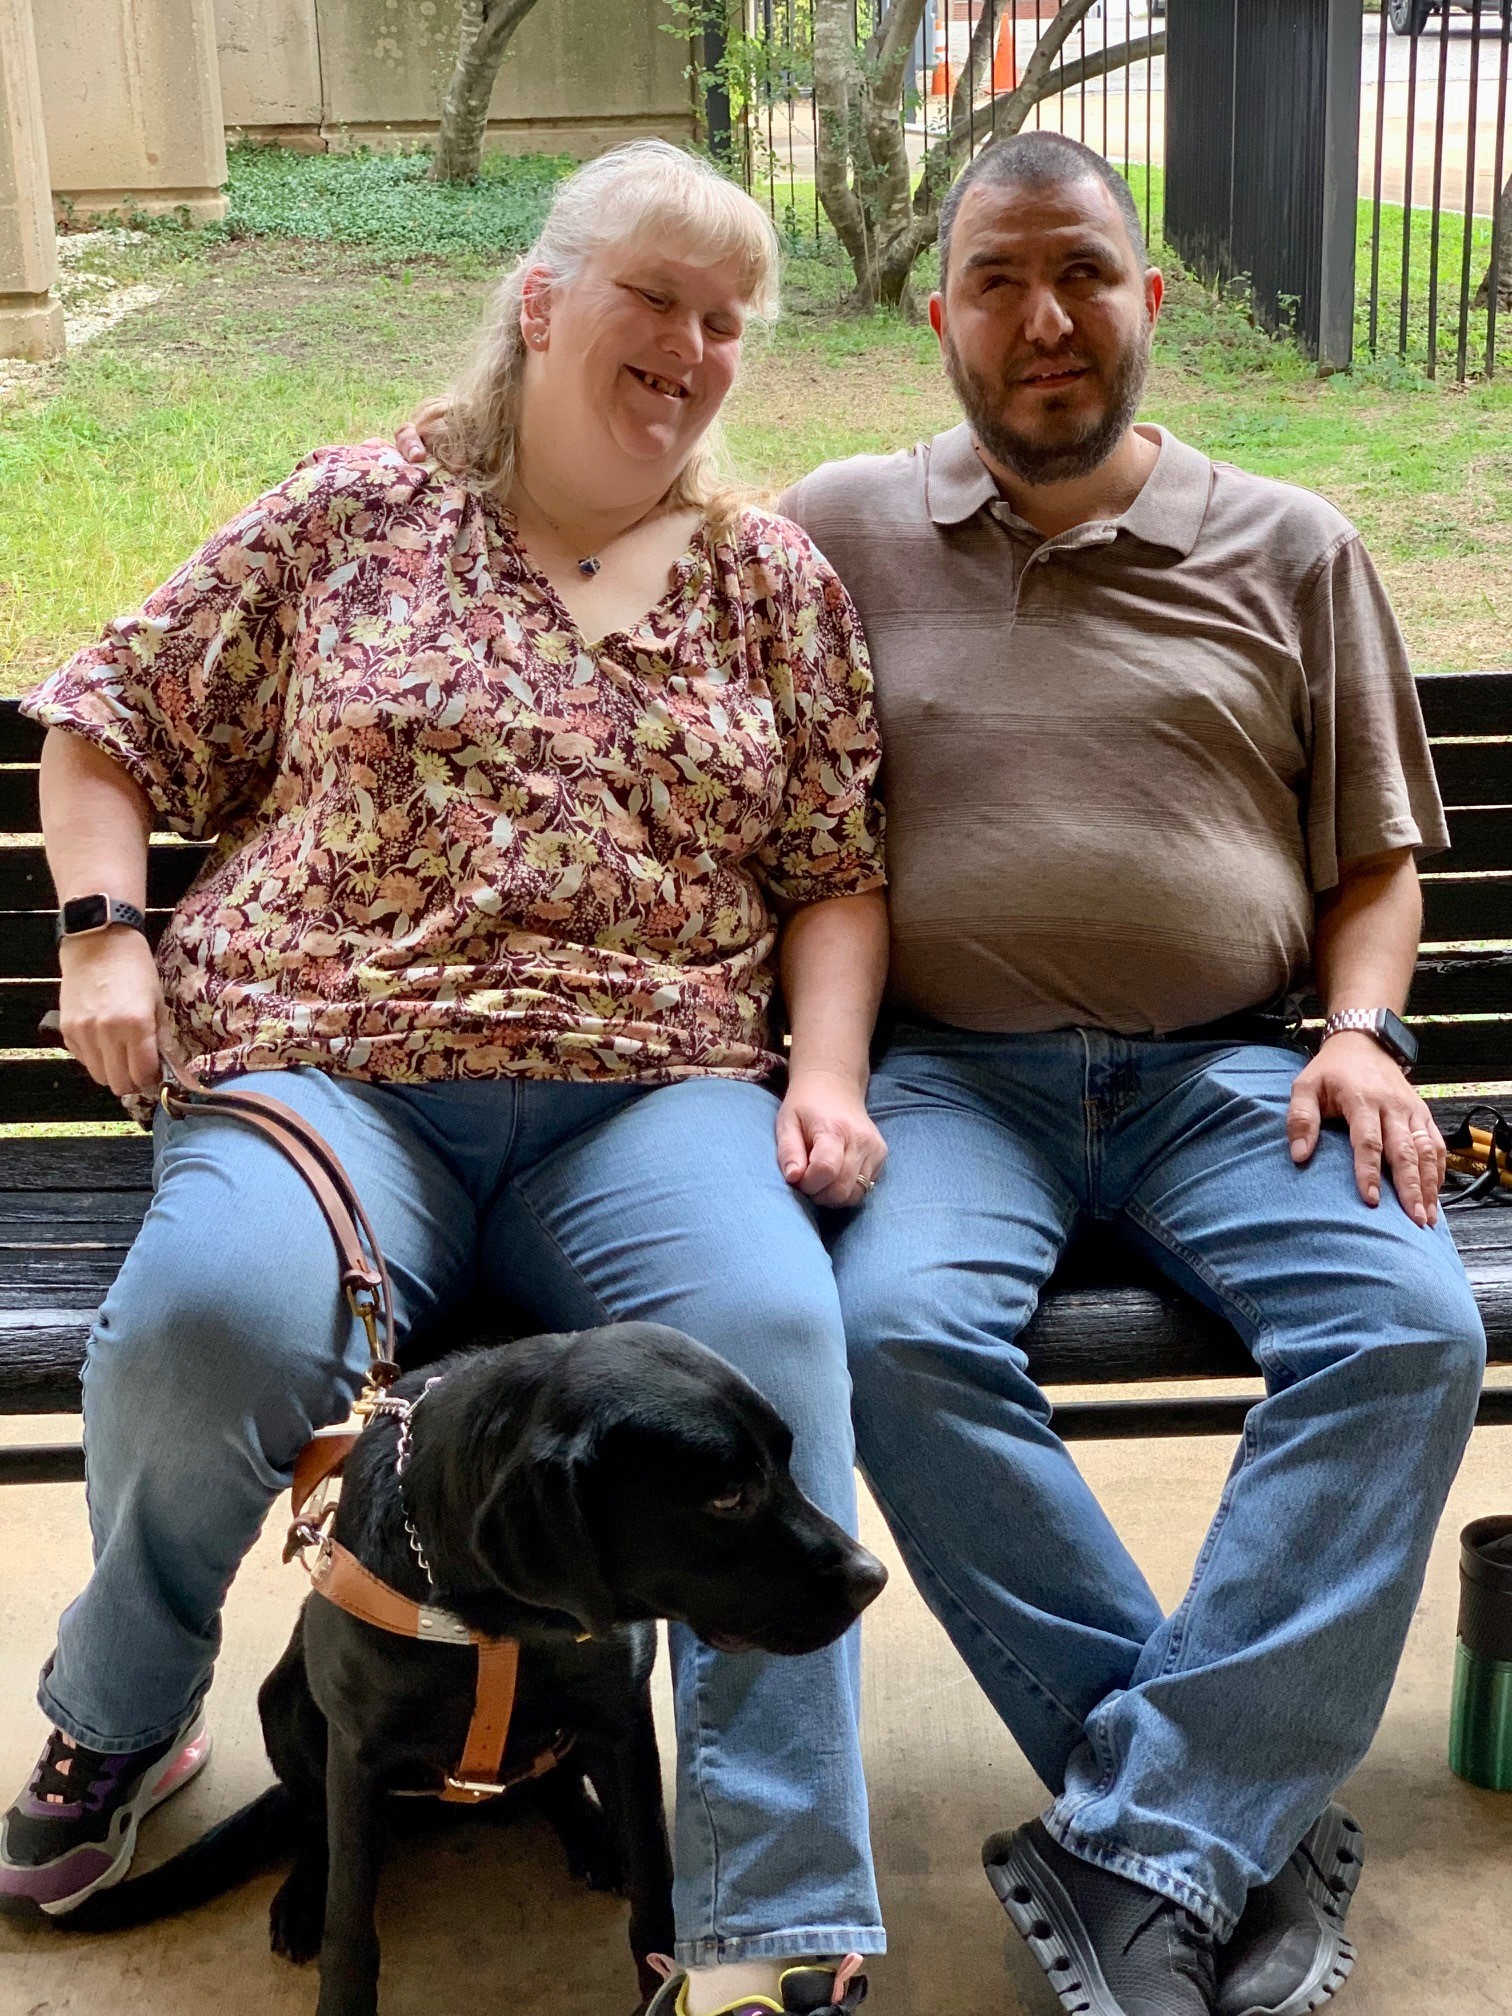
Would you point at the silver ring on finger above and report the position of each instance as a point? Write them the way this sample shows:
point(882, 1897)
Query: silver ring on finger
point(868, 1184)
point(1422, 1134)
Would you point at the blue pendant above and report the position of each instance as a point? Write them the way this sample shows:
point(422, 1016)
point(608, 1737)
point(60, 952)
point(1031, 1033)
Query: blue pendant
point(590, 566)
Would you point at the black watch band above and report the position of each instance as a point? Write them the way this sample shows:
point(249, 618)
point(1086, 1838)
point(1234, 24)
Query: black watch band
point(81, 916)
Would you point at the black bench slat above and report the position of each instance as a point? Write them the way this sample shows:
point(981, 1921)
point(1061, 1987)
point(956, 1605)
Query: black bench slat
point(78, 1162)
point(38, 1089)
point(26, 885)
point(1462, 1053)
point(23, 1003)
point(1463, 983)
point(18, 801)
point(1474, 773)
point(28, 950)
point(1466, 703)
point(1482, 843)
point(1482, 839)
point(20, 739)
point(1459, 907)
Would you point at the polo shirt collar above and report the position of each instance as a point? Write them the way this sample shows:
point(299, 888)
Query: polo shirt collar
point(1168, 511)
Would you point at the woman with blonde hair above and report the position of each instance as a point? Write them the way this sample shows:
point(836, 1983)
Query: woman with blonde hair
point(519, 766)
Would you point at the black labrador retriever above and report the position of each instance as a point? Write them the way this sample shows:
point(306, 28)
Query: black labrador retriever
point(566, 1491)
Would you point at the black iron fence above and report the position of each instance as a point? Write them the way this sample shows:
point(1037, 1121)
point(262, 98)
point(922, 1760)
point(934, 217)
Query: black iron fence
point(1434, 163)
point(1349, 167)
point(1263, 119)
point(766, 90)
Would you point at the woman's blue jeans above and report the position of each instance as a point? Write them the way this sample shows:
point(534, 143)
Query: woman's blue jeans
point(224, 1343)
point(1189, 1752)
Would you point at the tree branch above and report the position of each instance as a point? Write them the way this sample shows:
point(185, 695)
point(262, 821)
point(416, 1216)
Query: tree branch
point(1008, 114)
point(983, 36)
point(890, 46)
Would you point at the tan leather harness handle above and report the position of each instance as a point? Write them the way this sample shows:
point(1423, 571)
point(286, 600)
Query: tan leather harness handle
point(364, 1272)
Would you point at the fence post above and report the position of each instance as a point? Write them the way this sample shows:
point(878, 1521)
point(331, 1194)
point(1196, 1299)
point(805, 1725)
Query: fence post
point(1341, 169)
point(717, 98)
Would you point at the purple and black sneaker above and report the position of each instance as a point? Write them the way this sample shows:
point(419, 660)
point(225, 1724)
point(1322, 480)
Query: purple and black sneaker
point(73, 1830)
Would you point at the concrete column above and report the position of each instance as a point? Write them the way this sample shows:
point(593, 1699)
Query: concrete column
point(131, 97)
point(31, 320)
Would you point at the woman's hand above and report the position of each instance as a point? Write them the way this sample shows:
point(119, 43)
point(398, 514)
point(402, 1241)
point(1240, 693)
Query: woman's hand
point(827, 1143)
point(418, 437)
point(111, 1009)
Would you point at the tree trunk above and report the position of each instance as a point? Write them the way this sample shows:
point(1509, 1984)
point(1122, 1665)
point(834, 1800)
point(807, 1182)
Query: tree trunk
point(486, 31)
point(1503, 256)
point(862, 170)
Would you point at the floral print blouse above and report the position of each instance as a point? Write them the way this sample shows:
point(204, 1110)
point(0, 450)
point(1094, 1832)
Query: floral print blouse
point(452, 839)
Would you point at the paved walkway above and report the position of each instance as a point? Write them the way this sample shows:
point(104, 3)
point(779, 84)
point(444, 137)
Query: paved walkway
point(479, 1916)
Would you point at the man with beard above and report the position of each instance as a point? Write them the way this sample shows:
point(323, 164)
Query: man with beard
point(1152, 754)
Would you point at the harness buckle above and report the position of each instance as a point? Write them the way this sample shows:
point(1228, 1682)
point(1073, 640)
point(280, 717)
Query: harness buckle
point(474, 1788)
point(308, 1530)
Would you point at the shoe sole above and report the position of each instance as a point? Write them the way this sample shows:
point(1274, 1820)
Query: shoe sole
point(1049, 1924)
point(1331, 1867)
point(169, 1775)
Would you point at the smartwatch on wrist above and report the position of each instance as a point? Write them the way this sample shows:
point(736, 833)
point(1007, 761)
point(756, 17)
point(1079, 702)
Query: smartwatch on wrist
point(1389, 1030)
point(82, 916)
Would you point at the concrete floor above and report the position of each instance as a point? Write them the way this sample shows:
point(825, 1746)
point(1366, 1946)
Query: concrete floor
point(481, 1917)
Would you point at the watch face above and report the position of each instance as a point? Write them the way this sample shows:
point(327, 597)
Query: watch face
point(1399, 1036)
point(85, 913)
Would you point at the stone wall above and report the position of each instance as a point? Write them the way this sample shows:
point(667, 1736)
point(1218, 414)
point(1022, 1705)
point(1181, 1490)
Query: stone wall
point(31, 321)
point(580, 74)
point(132, 106)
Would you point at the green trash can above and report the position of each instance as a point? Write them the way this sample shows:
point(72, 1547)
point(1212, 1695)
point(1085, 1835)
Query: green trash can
point(1480, 1720)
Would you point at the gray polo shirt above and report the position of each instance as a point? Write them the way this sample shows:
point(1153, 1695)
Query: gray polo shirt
point(1119, 763)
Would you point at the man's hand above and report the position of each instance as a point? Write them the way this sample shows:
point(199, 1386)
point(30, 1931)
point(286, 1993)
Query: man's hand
point(1353, 1079)
point(827, 1144)
point(417, 438)
point(111, 1009)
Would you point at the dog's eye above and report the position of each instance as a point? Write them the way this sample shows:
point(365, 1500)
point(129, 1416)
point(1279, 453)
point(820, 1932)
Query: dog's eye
point(736, 1504)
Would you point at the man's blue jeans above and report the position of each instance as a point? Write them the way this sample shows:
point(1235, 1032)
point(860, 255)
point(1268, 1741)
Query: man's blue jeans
point(224, 1343)
point(1189, 1752)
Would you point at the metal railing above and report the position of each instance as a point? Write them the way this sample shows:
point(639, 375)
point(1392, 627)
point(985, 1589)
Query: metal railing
point(1410, 241)
point(1435, 164)
point(774, 133)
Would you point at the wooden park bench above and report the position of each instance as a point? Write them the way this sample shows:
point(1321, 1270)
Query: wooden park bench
point(70, 1204)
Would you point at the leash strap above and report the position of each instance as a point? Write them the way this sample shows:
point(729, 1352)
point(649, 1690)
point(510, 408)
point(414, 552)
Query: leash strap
point(364, 1272)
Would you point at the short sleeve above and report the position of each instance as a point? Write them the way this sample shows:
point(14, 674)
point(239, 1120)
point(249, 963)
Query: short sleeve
point(1371, 784)
point(828, 841)
point(187, 694)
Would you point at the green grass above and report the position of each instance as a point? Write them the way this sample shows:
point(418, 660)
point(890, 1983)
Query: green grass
point(114, 465)
point(388, 201)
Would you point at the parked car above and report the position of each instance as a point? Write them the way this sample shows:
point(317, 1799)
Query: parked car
point(1410, 17)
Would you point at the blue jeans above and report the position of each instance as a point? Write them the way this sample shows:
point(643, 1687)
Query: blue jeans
point(224, 1343)
point(1189, 1752)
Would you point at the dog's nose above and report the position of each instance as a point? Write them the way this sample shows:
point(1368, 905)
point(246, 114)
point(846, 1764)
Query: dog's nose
point(865, 1579)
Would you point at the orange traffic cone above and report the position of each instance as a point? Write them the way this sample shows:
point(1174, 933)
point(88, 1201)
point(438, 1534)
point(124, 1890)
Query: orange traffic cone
point(1005, 75)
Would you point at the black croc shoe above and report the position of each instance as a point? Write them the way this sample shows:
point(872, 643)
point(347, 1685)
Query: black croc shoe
point(806, 1991)
point(1109, 1947)
point(73, 1830)
point(1288, 1954)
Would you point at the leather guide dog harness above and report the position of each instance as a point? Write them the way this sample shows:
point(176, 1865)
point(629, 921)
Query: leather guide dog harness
point(336, 1574)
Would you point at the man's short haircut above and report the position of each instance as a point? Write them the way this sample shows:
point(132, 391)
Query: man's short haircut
point(1039, 160)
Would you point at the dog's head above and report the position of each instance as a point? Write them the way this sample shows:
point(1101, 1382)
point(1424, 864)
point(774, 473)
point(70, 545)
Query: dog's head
point(629, 1473)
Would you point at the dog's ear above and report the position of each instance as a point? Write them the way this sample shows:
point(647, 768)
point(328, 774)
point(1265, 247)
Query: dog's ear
point(533, 1536)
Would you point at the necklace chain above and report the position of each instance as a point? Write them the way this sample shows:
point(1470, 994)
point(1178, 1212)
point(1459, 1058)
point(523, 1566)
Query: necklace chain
point(588, 563)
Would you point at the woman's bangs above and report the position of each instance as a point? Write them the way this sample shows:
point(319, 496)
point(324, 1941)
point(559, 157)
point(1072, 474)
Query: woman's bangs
point(706, 224)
